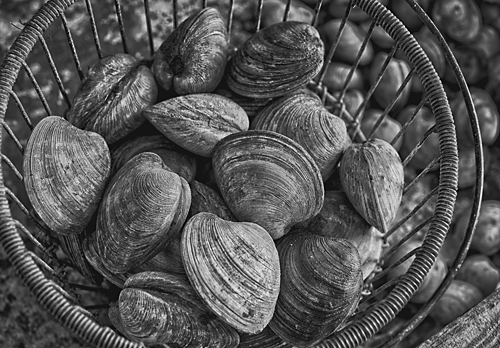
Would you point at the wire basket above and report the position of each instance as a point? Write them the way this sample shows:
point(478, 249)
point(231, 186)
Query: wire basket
point(35, 253)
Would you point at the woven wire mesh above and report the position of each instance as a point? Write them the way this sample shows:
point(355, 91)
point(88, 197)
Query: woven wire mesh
point(42, 270)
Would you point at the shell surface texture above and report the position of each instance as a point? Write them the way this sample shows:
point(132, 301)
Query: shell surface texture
point(193, 58)
point(197, 122)
point(321, 283)
point(276, 60)
point(372, 176)
point(302, 117)
point(65, 173)
point(234, 267)
point(161, 308)
point(269, 179)
point(111, 98)
point(142, 211)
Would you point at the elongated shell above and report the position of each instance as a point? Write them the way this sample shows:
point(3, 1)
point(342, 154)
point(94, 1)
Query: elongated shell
point(234, 268)
point(65, 172)
point(277, 60)
point(302, 117)
point(269, 179)
point(372, 176)
point(192, 59)
point(175, 158)
point(197, 122)
point(112, 97)
point(160, 308)
point(142, 211)
point(320, 287)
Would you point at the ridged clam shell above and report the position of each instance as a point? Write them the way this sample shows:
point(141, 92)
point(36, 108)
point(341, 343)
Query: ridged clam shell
point(266, 338)
point(320, 287)
point(339, 219)
point(112, 97)
point(371, 174)
point(269, 179)
point(168, 260)
point(175, 157)
point(302, 117)
point(65, 173)
point(197, 122)
point(142, 211)
point(277, 60)
point(193, 58)
point(234, 268)
point(72, 245)
point(159, 308)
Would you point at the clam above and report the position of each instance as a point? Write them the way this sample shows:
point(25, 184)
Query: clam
point(168, 260)
point(321, 283)
point(65, 174)
point(193, 57)
point(302, 117)
point(269, 179)
point(266, 338)
point(163, 309)
point(112, 96)
point(234, 267)
point(372, 176)
point(142, 211)
point(72, 245)
point(392, 80)
point(339, 219)
point(175, 157)
point(206, 199)
point(196, 122)
point(277, 60)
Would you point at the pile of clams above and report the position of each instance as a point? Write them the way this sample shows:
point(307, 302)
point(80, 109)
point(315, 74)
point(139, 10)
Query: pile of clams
point(216, 226)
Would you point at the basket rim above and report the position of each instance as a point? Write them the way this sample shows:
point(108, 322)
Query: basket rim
point(354, 333)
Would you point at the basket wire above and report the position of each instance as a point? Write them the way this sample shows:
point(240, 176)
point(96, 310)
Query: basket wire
point(42, 273)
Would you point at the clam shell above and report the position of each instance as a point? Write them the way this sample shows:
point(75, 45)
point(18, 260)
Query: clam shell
point(339, 219)
point(65, 173)
point(175, 157)
point(266, 338)
point(372, 176)
point(321, 283)
point(72, 245)
point(302, 117)
point(112, 96)
point(197, 122)
point(168, 260)
point(142, 211)
point(277, 60)
point(159, 308)
point(193, 58)
point(234, 268)
point(269, 179)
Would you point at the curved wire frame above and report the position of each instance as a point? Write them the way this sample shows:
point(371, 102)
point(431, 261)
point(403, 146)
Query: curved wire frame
point(71, 315)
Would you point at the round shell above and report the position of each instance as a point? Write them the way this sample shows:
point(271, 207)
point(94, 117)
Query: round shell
point(269, 179)
point(278, 59)
point(302, 117)
point(142, 211)
point(65, 174)
point(321, 282)
point(234, 267)
point(112, 96)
